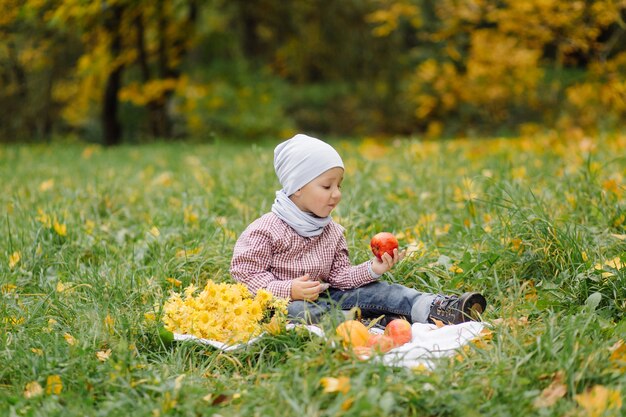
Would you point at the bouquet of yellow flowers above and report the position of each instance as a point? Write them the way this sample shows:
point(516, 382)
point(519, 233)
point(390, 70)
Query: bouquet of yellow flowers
point(223, 312)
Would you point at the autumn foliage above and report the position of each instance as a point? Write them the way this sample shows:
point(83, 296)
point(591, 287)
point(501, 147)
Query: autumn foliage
point(120, 69)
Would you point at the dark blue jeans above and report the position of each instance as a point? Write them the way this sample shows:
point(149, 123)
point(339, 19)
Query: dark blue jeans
point(375, 299)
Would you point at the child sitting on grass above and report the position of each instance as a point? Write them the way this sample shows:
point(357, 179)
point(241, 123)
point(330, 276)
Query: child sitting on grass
point(299, 253)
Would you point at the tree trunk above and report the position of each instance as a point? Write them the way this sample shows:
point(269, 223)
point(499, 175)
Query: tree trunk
point(111, 127)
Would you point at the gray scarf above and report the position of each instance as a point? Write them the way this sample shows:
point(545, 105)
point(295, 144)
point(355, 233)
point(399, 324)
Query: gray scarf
point(305, 224)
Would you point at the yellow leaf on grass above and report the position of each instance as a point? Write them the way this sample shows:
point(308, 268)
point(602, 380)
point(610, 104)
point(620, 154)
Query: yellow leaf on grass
point(552, 393)
point(599, 399)
point(8, 288)
point(103, 355)
point(32, 389)
point(109, 322)
point(69, 339)
point(455, 269)
point(345, 406)
point(14, 259)
point(618, 352)
point(175, 282)
point(615, 263)
point(46, 185)
point(54, 385)
point(60, 228)
point(331, 384)
point(186, 253)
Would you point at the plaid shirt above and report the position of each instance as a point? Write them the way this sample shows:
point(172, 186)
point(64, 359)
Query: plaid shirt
point(269, 254)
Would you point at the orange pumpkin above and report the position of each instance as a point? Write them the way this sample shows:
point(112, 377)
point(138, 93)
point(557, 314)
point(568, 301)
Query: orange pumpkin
point(353, 333)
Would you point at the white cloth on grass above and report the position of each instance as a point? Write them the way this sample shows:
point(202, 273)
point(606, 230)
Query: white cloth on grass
point(429, 343)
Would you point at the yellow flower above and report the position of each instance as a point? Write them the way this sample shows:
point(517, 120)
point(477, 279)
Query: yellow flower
point(263, 296)
point(275, 326)
point(223, 312)
point(54, 385)
point(14, 259)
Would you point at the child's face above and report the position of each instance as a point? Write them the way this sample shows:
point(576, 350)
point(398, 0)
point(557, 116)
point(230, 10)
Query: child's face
point(321, 195)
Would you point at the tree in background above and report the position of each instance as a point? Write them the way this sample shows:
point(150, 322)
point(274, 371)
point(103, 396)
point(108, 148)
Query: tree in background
point(116, 69)
point(143, 41)
point(33, 59)
point(506, 62)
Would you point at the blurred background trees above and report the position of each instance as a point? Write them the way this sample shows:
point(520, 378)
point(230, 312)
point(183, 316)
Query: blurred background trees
point(124, 70)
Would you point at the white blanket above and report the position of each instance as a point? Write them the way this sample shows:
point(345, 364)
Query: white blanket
point(428, 343)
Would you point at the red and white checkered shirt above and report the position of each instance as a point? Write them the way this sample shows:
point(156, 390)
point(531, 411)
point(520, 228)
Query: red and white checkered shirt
point(269, 254)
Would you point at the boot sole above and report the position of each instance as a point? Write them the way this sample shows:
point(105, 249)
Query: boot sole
point(473, 305)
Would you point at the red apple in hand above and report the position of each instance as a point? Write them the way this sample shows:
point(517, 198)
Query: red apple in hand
point(399, 330)
point(383, 242)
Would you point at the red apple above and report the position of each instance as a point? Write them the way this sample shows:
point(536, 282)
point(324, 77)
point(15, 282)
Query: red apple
point(399, 330)
point(383, 242)
point(380, 343)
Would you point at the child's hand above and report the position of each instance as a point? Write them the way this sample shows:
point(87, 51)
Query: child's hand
point(304, 288)
point(387, 262)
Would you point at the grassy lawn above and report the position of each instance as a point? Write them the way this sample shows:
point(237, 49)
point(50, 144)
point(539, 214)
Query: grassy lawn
point(93, 240)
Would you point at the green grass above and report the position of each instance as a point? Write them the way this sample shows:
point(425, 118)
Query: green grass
point(526, 220)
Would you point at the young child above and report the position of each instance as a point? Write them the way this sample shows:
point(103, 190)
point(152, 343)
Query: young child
point(299, 253)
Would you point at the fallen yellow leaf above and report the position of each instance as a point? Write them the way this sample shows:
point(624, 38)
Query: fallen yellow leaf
point(331, 384)
point(46, 185)
point(60, 228)
point(14, 259)
point(175, 282)
point(552, 393)
point(32, 389)
point(54, 385)
point(599, 399)
point(618, 353)
point(69, 339)
point(103, 355)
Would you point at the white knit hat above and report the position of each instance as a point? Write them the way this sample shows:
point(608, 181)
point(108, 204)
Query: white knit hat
point(301, 159)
